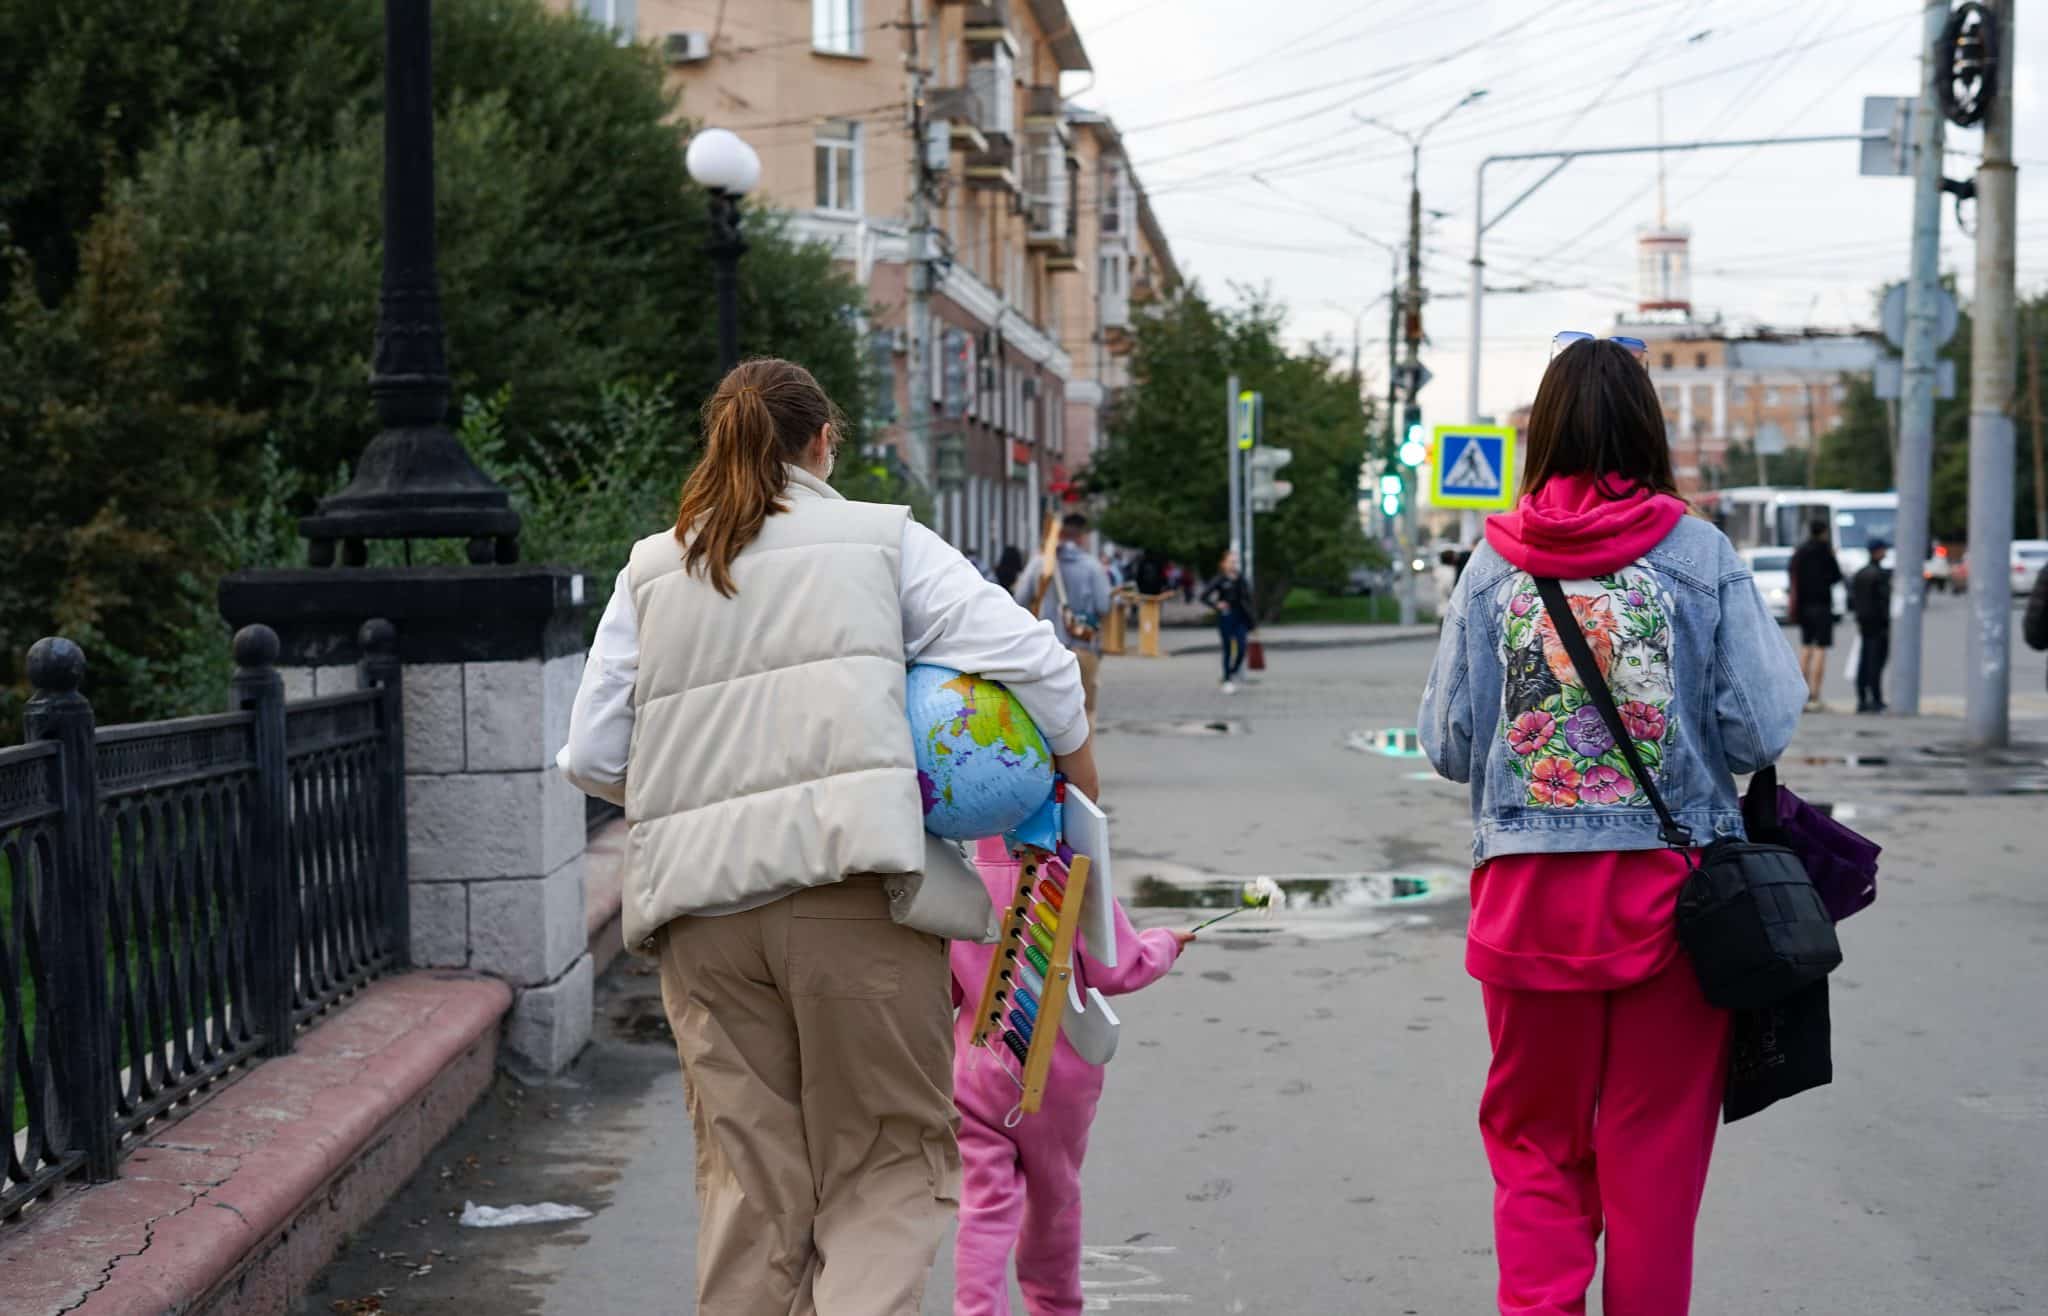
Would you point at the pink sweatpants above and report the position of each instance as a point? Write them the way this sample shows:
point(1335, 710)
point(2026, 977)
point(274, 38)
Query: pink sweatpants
point(1021, 1188)
point(1601, 1106)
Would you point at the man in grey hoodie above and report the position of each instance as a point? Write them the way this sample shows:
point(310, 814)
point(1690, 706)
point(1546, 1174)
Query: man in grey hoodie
point(1076, 602)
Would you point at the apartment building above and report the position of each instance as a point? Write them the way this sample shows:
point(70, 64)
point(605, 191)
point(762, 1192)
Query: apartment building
point(1023, 272)
point(1122, 264)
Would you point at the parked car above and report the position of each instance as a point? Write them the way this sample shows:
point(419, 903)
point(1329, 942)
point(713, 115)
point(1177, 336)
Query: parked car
point(2029, 556)
point(1939, 573)
point(1772, 568)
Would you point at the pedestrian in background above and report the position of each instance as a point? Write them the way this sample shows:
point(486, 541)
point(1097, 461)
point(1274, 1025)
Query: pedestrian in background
point(1815, 573)
point(1075, 601)
point(1232, 599)
point(2035, 628)
point(1870, 599)
point(1608, 1069)
point(743, 700)
point(1009, 566)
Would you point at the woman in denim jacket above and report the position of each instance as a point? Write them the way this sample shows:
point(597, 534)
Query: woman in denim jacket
point(1608, 1065)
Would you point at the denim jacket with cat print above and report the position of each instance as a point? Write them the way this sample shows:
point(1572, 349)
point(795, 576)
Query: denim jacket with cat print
point(1706, 683)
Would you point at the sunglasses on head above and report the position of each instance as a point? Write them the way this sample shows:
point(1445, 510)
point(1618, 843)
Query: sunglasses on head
point(1635, 347)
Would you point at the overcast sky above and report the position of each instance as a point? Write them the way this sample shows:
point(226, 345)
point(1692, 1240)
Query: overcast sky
point(1210, 93)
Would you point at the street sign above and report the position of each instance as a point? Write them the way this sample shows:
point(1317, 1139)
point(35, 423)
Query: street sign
point(1890, 378)
point(1410, 379)
point(1473, 467)
point(1889, 156)
point(1770, 439)
point(1892, 316)
point(1251, 417)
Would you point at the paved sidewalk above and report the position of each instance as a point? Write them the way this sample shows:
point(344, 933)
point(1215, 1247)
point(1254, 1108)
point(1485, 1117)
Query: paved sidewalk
point(1289, 1127)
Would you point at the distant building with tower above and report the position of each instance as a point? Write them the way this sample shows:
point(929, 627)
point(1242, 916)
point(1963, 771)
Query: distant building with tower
point(1721, 386)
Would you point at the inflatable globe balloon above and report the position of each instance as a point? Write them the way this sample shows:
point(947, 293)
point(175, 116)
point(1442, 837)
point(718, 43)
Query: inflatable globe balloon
point(981, 763)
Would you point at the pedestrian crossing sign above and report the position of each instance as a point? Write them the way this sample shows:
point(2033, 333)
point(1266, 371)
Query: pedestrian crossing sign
point(1473, 466)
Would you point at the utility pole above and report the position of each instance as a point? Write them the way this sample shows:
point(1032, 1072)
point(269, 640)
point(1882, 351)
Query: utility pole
point(920, 355)
point(1915, 467)
point(1230, 455)
point(2040, 457)
point(1993, 371)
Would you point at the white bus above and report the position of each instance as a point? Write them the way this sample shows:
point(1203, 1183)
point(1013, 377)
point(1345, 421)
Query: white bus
point(1762, 517)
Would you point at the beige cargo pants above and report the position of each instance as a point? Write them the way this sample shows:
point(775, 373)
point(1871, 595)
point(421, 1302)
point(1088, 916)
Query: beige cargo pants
point(816, 1040)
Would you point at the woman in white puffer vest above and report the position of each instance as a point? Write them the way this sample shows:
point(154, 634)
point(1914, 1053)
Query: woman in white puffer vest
point(744, 701)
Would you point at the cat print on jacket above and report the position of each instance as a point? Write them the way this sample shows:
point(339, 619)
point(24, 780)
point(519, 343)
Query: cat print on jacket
point(1559, 747)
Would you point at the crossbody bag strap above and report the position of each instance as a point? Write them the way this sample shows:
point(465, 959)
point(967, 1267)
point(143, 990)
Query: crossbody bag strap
point(1574, 641)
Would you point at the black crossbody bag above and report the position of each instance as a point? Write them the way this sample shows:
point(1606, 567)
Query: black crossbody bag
point(1748, 915)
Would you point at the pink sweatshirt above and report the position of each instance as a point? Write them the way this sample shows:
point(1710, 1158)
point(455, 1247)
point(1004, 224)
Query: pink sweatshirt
point(1577, 922)
point(1142, 958)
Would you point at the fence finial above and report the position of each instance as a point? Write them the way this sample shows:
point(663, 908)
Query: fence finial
point(256, 646)
point(378, 636)
point(56, 665)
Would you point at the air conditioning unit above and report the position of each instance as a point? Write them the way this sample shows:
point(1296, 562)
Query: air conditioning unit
point(686, 47)
point(899, 339)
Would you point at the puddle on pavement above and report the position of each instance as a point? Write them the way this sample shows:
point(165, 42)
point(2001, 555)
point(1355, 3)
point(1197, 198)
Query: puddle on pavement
point(1391, 742)
point(1214, 727)
point(1319, 905)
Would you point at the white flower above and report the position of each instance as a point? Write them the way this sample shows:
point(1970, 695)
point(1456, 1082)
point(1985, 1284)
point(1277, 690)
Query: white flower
point(1263, 893)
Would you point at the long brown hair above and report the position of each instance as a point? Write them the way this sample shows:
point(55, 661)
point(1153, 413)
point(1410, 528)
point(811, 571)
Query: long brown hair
point(763, 415)
point(1597, 414)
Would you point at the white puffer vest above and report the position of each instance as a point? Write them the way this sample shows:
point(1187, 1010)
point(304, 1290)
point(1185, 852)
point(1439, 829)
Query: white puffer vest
point(771, 751)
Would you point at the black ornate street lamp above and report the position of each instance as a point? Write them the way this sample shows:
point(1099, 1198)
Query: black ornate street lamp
point(728, 168)
point(414, 480)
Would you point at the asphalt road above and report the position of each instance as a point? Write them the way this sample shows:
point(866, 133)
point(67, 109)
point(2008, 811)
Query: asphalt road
point(1290, 1127)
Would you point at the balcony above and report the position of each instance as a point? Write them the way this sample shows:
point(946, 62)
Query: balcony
point(992, 89)
point(987, 30)
point(1049, 177)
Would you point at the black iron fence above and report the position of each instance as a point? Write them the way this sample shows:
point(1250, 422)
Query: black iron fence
point(178, 898)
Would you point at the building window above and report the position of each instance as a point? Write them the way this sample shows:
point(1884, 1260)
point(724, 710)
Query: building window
point(1669, 397)
point(838, 166)
point(621, 16)
point(1840, 393)
point(1699, 360)
point(1771, 396)
point(835, 26)
point(1739, 394)
point(1669, 360)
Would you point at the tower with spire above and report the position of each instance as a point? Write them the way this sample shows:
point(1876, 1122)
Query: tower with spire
point(1663, 256)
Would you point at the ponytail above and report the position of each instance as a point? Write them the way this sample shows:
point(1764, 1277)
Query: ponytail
point(762, 417)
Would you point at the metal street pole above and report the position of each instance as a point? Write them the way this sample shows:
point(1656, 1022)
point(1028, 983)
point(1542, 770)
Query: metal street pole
point(1915, 469)
point(1994, 369)
point(919, 360)
point(1481, 224)
point(1230, 455)
point(414, 480)
point(726, 247)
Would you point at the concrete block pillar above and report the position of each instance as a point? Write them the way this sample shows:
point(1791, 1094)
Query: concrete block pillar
point(494, 834)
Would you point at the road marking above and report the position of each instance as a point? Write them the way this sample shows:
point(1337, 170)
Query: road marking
point(1129, 1282)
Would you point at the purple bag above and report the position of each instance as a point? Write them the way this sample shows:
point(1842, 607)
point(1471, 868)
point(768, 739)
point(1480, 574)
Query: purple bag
point(1841, 862)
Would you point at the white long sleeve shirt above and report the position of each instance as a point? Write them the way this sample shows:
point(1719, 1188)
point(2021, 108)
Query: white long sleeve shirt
point(951, 618)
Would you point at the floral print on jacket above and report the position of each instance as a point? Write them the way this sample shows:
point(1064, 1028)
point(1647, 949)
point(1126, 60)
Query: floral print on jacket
point(1558, 745)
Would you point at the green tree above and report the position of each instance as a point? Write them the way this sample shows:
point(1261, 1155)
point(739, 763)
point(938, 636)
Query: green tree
point(1857, 452)
point(206, 179)
point(1162, 472)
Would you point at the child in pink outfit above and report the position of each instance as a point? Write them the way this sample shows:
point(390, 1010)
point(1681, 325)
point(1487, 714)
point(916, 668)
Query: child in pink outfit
point(1021, 1187)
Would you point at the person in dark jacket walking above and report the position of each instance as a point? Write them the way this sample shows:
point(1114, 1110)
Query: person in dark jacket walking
point(1815, 573)
point(2036, 627)
point(1232, 599)
point(1870, 598)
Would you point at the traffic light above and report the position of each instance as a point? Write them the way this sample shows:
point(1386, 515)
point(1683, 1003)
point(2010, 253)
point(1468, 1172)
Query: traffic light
point(1391, 488)
point(1266, 491)
point(1414, 448)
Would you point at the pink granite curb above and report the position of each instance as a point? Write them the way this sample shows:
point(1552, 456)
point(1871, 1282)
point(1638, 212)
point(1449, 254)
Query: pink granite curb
point(604, 872)
point(235, 1207)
